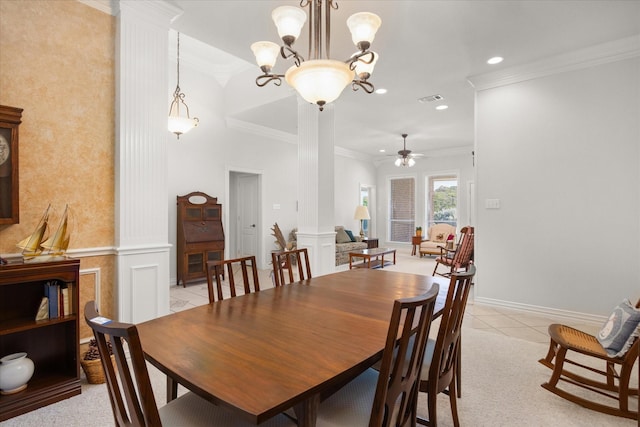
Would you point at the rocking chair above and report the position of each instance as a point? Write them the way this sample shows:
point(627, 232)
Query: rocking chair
point(615, 384)
point(458, 259)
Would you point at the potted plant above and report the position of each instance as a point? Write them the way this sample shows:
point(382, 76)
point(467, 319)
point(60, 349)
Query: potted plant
point(91, 364)
point(418, 231)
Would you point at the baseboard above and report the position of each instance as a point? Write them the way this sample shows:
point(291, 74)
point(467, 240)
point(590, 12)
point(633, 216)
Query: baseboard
point(546, 311)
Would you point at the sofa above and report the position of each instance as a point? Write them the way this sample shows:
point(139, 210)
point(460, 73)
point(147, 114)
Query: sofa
point(346, 242)
point(436, 237)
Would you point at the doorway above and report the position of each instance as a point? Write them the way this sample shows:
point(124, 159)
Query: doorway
point(244, 216)
point(367, 198)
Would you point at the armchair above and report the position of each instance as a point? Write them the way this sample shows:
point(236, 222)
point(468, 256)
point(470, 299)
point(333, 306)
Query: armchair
point(436, 237)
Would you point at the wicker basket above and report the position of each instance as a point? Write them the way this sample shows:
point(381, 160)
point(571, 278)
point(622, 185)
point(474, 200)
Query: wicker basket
point(93, 370)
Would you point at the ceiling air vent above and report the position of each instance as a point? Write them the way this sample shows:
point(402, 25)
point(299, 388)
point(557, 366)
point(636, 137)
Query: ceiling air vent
point(430, 98)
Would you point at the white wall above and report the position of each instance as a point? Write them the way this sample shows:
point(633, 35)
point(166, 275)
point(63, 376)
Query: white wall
point(349, 174)
point(561, 153)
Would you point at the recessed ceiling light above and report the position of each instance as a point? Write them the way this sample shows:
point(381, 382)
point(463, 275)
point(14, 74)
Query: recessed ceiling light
point(381, 91)
point(442, 107)
point(495, 60)
point(382, 150)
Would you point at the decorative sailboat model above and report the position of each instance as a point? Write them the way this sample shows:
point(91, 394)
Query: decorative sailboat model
point(32, 245)
point(58, 243)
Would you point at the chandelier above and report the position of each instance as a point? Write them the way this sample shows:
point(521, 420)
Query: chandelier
point(179, 123)
point(319, 79)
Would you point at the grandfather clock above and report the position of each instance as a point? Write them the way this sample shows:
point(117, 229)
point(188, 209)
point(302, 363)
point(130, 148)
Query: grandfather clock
point(200, 237)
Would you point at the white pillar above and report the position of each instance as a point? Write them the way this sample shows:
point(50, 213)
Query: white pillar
point(316, 228)
point(142, 243)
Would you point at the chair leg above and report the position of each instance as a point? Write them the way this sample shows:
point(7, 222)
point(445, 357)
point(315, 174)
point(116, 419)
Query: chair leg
point(557, 369)
point(453, 402)
point(432, 403)
point(551, 354)
point(458, 372)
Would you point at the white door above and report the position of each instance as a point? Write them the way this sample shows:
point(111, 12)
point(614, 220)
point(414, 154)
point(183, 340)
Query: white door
point(248, 214)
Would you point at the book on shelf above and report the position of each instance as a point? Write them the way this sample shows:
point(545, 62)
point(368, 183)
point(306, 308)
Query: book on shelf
point(43, 309)
point(65, 294)
point(52, 292)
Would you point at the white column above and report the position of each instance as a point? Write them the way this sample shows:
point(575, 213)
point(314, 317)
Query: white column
point(316, 228)
point(142, 267)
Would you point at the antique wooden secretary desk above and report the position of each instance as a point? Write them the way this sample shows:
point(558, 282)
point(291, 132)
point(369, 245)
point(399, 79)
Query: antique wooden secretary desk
point(200, 237)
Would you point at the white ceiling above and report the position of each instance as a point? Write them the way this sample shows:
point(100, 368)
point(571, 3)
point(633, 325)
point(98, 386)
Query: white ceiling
point(425, 48)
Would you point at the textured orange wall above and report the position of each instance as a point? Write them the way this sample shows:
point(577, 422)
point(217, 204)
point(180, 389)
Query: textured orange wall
point(57, 63)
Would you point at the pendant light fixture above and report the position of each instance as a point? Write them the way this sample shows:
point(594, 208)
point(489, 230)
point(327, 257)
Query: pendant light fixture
point(179, 119)
point(319, 80)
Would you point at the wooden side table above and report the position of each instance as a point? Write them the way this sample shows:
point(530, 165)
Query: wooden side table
point(415, 241)
point(372, 242)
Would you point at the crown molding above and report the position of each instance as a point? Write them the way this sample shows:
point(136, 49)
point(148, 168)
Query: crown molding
point(205, 58)
point(105, 6)
point(264, 131)
point(261, 130)
point(582, 58)
point(345, 152)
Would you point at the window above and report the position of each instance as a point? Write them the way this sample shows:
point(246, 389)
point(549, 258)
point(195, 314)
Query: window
point(402, 206)
point(442, 200)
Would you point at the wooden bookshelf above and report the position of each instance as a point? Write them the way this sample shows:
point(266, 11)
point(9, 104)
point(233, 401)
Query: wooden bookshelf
point(52, 344)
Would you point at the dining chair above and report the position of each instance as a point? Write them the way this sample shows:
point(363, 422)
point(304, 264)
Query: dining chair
point(459, 258)
point(570, 356)
point(284, 261)
point(387, 397)
point(216, 271)
point(129, 386)
point(441, 365)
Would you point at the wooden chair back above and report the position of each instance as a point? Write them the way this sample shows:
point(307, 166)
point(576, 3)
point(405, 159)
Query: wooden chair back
point(130, 395)
point(284, 263)
point(216, 272)
point(459, 259)
point(444, 362)
point(396, 398)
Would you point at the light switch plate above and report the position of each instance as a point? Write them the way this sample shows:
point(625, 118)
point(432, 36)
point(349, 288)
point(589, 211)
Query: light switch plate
point(492, 203)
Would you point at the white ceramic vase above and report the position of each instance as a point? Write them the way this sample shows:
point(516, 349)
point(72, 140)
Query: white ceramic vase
point(15, 371)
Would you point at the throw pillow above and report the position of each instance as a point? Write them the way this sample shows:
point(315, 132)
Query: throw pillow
point(342, 236)
point(620, 329)
point(439, 237)
point(350, 234)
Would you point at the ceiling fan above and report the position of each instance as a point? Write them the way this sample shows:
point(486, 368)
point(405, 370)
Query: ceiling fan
point(405, 157)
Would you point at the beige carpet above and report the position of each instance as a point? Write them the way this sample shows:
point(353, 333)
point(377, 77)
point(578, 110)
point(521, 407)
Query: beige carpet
point(500, 385)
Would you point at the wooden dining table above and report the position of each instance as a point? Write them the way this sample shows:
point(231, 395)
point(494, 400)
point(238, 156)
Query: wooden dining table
point(263, 353)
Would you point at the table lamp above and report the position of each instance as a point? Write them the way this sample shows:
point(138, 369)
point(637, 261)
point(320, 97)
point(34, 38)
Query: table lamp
point(362, 213)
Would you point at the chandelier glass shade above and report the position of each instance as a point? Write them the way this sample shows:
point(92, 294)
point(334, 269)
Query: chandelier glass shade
point(405, 161)
point(179, 119)
point(319, 79)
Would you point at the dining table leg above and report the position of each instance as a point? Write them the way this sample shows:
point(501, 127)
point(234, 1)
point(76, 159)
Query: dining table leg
point(307, 411)
point(172, 389)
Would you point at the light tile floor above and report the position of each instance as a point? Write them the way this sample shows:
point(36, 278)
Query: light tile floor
point(510, 322)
